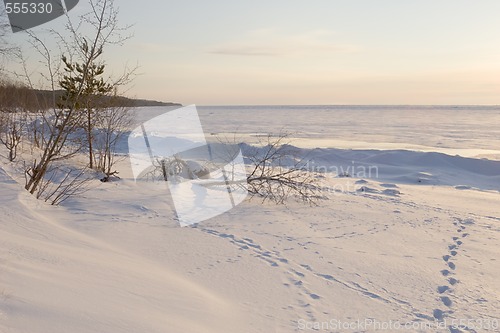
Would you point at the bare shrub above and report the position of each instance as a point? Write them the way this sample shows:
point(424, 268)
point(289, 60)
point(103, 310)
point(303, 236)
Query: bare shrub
point(11, 132)
point(15, 104)
point(277, 172)
point(62, 182)
point(112, 126)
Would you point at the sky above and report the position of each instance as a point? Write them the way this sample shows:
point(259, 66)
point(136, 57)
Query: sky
point(260, 52)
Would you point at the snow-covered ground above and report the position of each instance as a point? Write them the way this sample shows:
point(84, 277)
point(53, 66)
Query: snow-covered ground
point(416, 241)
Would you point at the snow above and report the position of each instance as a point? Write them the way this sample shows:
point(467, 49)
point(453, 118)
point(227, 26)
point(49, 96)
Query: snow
point(417, 242)
point(56, 279)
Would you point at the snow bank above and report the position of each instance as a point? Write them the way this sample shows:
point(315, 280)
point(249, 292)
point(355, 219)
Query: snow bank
point(56, 279)
point(401, 166)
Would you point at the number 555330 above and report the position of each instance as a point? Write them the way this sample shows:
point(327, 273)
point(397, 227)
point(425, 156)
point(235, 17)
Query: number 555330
point(28, 8)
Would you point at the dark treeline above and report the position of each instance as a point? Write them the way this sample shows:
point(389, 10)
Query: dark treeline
point(112, 101)
point(14, 95)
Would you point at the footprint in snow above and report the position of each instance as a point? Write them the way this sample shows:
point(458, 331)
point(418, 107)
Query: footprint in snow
point(438, 314)
point(314, 296)
point(446, 301)
point(445, 272)
point(299, 273)
point(443, 289)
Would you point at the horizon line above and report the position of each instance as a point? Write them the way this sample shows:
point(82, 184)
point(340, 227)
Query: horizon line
point(341, 105)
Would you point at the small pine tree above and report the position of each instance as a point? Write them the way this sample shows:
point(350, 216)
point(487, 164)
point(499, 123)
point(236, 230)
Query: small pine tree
point(85, 90)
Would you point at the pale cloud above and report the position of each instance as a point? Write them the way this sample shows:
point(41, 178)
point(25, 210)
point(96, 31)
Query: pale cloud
point(248, 50)
point(273, 43)
point(158, 48)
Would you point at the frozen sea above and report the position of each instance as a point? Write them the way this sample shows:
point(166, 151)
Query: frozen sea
point(468, 131)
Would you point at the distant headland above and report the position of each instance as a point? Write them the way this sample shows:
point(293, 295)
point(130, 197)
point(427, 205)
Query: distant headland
point(46, 95)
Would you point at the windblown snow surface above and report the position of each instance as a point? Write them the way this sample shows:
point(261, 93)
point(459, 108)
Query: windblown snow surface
point(412, 246)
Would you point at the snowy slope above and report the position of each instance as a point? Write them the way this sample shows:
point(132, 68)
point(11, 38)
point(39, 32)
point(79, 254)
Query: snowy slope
point(55, 279)
point(425, 255)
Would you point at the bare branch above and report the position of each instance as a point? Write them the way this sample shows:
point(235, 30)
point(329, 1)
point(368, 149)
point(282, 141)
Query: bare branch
point(277, 172)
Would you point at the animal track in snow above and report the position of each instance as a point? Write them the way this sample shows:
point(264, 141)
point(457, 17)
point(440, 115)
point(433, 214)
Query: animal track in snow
point(445, 291)
point(294, 272)
point(446, 301)
point(442, 289)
